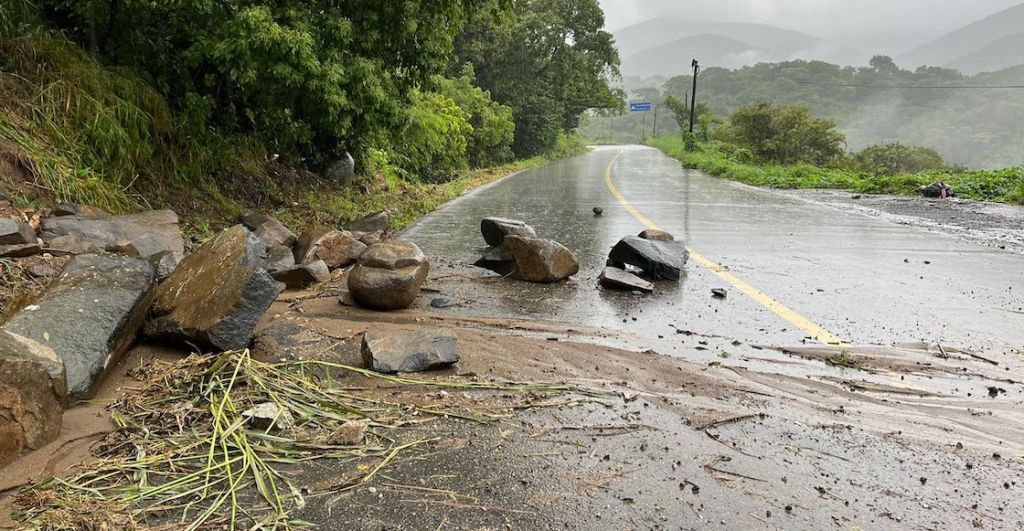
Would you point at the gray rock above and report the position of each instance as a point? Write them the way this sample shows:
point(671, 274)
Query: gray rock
point(303, 276)
point(279, 258)
point(14, 232)
point(268, 416)
point(85, 211)
point(442, 303)
point(343, 170)
point(539, 260)
point(389, 275)
point(656, 235)
point(149, 232)
point(377, 222)
point(20, 251)
point(90, 316)
point(660, 260)
point(71, 244)
point(291, 339)
point(124, 247)
point(217, 295)
point(269, 230)
point(164, 263)
point(41, 271)
point(339, 249)
point(494, 230)
point(370, 238)
point(412, 352)
point(615, 278)
point(309, 243)
point(32, 395)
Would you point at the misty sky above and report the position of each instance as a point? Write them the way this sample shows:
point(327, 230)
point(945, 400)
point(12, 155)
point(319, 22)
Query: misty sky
point(895, 23)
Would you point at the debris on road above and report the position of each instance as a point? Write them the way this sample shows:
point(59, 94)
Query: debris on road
point(539, 260)
point(660, 260)
point(216, 295)
point(615, 278)
point(419, 351)
point(938, 190)
point(495, 230)
point(389, 275)
point(719, 293)
point(598, 211)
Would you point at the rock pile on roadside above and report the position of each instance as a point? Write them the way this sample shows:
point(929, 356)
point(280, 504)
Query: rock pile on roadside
point(129, 276)
point(516, 251)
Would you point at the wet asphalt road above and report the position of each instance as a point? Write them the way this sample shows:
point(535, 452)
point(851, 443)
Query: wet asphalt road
point(864, 280)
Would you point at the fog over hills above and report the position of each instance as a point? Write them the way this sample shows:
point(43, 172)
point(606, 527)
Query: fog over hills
point(991, 43)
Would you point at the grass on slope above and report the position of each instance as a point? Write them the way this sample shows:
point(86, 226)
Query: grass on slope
point(1004, 186)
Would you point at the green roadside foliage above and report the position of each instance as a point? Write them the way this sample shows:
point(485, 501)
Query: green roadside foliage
point(732, 162)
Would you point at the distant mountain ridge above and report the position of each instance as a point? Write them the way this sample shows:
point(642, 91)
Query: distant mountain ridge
point(667, 45)
point(989, 41)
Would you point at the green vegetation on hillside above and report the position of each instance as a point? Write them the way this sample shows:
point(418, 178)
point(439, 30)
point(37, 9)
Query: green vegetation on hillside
point(214, 107)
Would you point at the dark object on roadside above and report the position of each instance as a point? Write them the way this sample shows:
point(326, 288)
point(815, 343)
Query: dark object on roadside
point(376, 222)
point(938, 190)
point(494, 230)
point(216, 295)
point(89, 316)
point(33, 396)
point(343, 170)
point(615, 278)
point(995, 391)
point(719, 293)
point(419, 351)
point(389, 275)
point(659, 260)
point(656, 235)
point(598, 211)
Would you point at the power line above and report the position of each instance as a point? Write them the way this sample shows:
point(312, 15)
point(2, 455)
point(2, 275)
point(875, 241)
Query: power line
point(923, 87)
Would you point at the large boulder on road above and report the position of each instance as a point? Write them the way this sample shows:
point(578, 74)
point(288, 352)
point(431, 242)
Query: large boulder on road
point(658, 259)
point(269, 230)
point(539, 260)
point(217, 295)
point(14, 232)
point(149, 232)
point(389, 275)
point(89, 316)
point(495, 230)
point(419, 351)
point(32, 395)
point(498, 259)
point(614, 278)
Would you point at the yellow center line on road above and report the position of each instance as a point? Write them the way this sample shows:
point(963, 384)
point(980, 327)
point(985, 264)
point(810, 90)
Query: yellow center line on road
point(806, 325)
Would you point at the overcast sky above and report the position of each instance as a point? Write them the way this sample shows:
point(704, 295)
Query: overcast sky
point(839, 20)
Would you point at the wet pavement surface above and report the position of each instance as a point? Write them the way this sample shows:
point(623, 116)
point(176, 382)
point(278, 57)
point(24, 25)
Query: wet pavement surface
point(865, 279)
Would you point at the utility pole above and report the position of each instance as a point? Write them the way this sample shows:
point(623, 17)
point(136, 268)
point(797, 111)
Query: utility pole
point(693, 95)
point(655, 132)
point(643, 128)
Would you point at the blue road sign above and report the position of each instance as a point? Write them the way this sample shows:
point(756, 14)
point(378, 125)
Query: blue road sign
point(639, 107)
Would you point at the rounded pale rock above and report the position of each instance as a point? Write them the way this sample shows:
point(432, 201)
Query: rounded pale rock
point(543, 261)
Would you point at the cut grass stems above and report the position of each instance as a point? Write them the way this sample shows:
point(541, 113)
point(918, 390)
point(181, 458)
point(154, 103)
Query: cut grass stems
point(186, 456)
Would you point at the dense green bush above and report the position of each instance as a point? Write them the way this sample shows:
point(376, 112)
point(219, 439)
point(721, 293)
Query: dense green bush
point(493, 128)
point(784, 134)
point(891, 159)
point(435, 138)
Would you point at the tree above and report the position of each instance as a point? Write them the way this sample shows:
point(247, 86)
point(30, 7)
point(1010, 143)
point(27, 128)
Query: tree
point(786, 134)
point(896, 158)
point(493, 127)
point(309, 77)
point(549, 60)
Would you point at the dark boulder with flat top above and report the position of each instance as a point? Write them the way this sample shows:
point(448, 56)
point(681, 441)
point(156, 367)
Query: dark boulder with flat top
point(217, 295)
point(419, 351)
point(90, 316)
point(660, 260)
point(150, 233)
point(494, 230)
